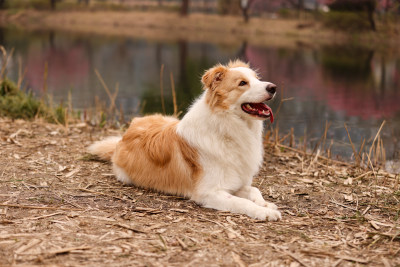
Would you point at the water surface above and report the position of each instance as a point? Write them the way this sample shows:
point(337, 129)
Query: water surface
point(334, 83)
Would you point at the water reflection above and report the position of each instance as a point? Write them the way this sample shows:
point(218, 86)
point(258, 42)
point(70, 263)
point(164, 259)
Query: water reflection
point(333, 83)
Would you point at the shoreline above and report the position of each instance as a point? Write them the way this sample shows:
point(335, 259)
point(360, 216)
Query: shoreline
point(223, 30)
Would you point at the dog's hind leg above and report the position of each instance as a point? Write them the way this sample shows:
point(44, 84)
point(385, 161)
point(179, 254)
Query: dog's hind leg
point(222, 200)
point(252, 193)
point(121, 175)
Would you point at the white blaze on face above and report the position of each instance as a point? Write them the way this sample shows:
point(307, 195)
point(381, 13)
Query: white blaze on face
point(253, 95)
point(257, 91)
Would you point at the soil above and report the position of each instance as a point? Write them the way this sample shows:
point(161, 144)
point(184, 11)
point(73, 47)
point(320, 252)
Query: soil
point(61, 207)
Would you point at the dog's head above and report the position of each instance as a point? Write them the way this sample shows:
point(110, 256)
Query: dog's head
point(237, 88)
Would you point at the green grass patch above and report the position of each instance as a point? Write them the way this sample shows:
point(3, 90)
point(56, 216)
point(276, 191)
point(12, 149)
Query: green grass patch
point(32, 4)
point(347, 21)
point(18, 104)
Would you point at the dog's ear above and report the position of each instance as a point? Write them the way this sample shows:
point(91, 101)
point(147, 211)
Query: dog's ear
point(213, 77)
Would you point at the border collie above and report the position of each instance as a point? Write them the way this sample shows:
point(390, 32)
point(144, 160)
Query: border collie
point(212, 154)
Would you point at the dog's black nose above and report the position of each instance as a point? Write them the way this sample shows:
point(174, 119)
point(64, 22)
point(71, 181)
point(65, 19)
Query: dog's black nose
point(271, 88)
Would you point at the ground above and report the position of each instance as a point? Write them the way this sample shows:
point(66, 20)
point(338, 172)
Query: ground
point(61, 207)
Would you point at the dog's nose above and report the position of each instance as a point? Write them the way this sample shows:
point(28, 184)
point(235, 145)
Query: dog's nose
point(271, 88)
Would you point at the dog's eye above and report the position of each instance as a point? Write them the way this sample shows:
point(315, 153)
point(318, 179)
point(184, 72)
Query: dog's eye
point(242, 83)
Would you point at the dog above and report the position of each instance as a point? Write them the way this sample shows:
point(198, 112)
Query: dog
point(209, 156)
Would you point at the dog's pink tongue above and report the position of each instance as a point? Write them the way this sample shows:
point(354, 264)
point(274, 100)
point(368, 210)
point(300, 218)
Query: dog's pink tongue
point(271, 116)
point(263, 107)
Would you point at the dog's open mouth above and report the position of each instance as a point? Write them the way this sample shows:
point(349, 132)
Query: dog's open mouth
point(260, 110)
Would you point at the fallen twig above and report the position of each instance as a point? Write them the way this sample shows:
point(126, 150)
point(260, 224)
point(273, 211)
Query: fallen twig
point(65, 250)
point(319, 157)
point(181, 243)
point(238, 260)
point(349, 258)
point(342, 205)
point(104, 194)
point(129, 228)
point(296, 258)
point(37, 207)
point(10, 236)
point(44, 216)
point(392, 237)
point(362, 175)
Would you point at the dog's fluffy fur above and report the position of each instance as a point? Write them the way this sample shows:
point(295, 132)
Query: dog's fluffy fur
point(211, 155)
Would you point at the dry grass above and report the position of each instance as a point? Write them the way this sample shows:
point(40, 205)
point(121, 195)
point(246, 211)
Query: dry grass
point(60, 207)
point(197, 27)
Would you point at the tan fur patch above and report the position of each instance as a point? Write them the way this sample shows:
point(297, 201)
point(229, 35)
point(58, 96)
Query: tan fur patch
point(213, 77)
point(155, 156)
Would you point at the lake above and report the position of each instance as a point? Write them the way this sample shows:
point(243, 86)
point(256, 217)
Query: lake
point(333, 83)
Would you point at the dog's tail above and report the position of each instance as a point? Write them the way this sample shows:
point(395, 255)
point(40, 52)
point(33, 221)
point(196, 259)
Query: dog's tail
point(104, 149)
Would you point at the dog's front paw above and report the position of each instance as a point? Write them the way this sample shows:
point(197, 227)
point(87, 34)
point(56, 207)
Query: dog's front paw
point(270, 205)
point(267, 204)
point(274, 215)
point(267, 214)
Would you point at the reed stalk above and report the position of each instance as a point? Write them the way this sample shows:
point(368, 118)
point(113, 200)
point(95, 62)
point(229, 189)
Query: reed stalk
point(173, 95)
point(5, 59)
point(291, 142)
point(352, 146)
point(45, 76)
point(162, 88)
point(21, 75)
point(361, 149)
point(373, 143)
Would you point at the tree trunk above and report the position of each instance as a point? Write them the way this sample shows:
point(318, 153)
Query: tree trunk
point(86, 1)
point(184, 7)
point(300, 7)
point(370, 7)
point(53, 4)
point(245, 12)
point(2, 4)
point(371, 19)
point(245, 6)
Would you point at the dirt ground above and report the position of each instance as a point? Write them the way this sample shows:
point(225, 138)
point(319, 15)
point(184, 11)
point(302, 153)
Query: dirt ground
point(59, 207)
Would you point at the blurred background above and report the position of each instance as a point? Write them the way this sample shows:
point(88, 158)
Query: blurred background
point(334, 61)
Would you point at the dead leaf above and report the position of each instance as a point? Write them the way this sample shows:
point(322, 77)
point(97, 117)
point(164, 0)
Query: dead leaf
point(348, 181)
point(73, 172)
point(348, 198)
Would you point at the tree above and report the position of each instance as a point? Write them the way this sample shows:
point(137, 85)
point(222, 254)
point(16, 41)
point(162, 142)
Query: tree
point(245, 6)
point(360, 6)
point(184, 7)
point(53, 4)
point(86, 1)
point(298, 4)
point(225, 7)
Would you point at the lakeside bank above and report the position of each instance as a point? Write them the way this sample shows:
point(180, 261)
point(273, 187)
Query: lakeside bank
point(168, 26)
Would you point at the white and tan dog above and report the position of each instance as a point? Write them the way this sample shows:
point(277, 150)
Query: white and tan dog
point(211, 155)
